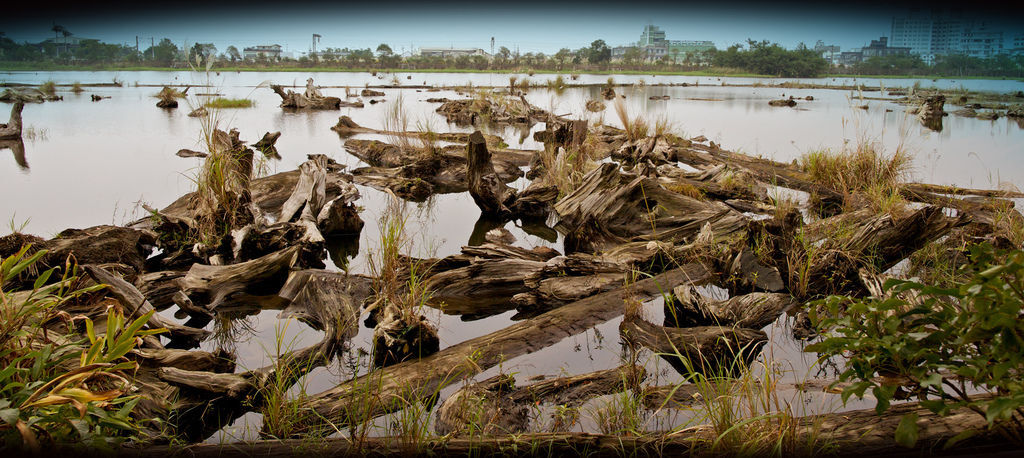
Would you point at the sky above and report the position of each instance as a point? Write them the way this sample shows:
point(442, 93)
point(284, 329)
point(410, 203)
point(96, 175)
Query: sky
point(528, 25)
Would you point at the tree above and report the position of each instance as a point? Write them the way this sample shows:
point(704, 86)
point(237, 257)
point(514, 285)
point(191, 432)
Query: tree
point(384, 50)
point(599, 52)
point(561, 56)
point(164, 52)
point(632, 55)
point(233, 54)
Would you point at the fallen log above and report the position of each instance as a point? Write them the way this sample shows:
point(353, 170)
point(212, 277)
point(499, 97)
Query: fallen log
point(421, 378)
point(688, 308)
point(136, 305)
point(326, 301)
point(499, 407)
point(294, 100)
point(221, 286)
point(12, 130)
point(854, 433)
point(708, 350)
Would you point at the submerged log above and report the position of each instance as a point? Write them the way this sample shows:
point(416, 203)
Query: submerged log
point(709, 350)
point(419, 379)
point(488, 191)
point(266, 145)
point(294, 100)
point(326, 301)
point(12, 130)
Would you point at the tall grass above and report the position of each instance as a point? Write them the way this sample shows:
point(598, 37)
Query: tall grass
point(864, 169)
point(48, 88)
point(636, 128)
point(396, 122)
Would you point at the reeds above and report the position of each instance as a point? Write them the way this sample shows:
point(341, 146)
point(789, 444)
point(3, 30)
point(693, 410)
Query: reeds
point(48, 88)
point(636, 128)
point(864, 169)
point(77, 88)
point(396, 122)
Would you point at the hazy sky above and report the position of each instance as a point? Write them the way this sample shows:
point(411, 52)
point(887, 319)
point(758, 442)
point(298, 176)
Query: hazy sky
point(530, 25)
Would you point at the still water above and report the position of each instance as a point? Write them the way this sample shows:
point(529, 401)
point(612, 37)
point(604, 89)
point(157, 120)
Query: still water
point(90, 163)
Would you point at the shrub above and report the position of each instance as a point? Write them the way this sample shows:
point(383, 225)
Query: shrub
point(940, 345)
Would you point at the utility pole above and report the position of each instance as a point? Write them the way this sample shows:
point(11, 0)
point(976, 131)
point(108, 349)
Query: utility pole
point(136, 44)
point(152, 49)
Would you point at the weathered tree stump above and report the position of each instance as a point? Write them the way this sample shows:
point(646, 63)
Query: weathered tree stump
point(489, 192)
point(709, 350)
point(294, 100)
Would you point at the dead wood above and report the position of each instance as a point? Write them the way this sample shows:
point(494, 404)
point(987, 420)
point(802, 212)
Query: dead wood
point(136, 305)
point(498, 407)
point(266, 145)
point(159, 287)
point(855, 433)
point(219, 286)
point(12, 130)
point(209, 400)
point(702, 349)
point(294, 100)
point(420, 378)
point(488, 191)
point(610, 208)
point(688, 308)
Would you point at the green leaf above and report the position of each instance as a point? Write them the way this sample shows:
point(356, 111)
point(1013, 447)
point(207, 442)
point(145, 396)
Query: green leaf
point(959, 438)
point(932, 380)
point(1000, 409)
point(10, 415)
point(906, 431)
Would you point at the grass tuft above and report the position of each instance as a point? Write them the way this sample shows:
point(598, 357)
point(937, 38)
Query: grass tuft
point(222, 102)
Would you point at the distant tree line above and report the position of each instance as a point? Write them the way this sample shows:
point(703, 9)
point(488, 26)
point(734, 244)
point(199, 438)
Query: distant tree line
point(947, 65)
point(765, 58)
point(756, 57)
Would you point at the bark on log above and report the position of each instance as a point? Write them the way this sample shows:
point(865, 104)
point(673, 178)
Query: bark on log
point(610, 209)
point(12, 130)
point(754, 311)
point(703, 349)
point(488, 191)
point(136, 305)
point(294, 100)
point(504, 409)
point(422, 378)
point(222, 286)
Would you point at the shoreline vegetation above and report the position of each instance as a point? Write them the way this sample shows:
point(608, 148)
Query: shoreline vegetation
point(709, 72)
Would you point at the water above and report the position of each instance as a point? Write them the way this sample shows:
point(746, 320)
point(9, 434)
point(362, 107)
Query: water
point(95, 162)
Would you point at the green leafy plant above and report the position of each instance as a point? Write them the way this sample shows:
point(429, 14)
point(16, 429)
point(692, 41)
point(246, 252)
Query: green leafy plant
point(47, 397)
point(950, 348)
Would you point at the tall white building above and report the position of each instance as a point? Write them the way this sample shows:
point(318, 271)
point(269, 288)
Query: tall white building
point(936, 32)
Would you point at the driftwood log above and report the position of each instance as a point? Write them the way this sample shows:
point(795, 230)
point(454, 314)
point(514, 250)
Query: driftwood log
point(703, 349)
point(238, 284)
point(499, 407)
point(855, 433)
point(294, 100)
point(688, 308)
point(419, 379)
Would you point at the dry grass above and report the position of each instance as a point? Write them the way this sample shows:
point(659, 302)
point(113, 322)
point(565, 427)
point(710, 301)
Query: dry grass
point(865, 169)
point(636, 128)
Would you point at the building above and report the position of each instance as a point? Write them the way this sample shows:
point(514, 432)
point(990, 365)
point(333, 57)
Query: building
point(937, 32)
point(272, 52)
point(64, 44)
point(453, 52)
point(828, 52)
point(847, 58)
point(654, 46)
point(881, 48)
point(982, 41)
